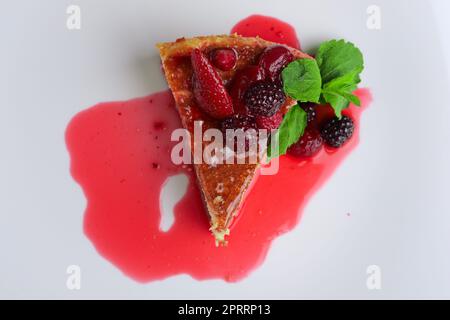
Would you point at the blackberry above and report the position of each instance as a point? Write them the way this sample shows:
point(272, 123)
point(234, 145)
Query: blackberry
point(310, 111)
point(245, 123)
point(264, 98)
point(337, 131)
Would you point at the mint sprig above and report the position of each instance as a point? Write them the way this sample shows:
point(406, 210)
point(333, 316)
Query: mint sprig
point(330, 78)
point(340, 64)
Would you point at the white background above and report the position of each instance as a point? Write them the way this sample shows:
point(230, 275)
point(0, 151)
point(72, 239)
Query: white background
point(395, 184)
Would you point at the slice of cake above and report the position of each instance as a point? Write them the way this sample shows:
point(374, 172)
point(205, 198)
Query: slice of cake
point(227, 82)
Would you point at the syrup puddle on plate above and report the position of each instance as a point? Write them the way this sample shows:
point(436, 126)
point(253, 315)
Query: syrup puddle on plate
point(120, 156)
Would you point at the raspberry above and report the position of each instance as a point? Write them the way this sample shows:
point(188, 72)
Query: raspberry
point(208, 87)
point(224, 59)
point(337, 131)
point(308, 145)
point(310, 111)
point(264, 98)
point(269, 123)
point(274, 59)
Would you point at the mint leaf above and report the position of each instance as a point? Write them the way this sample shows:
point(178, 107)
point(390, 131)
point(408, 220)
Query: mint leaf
point(301, 80)
point(340, 64)
point(339, 93)
point(331, 78)
point(337, 58)
point(343, 83)
point(337, 102)
point(290, 130)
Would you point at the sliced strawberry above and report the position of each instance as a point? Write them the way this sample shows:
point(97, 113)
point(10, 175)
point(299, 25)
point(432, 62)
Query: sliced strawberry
point(209, 89)
point(242, 80)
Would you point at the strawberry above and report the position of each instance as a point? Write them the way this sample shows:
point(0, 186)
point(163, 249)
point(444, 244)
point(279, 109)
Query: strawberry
point(209, 90)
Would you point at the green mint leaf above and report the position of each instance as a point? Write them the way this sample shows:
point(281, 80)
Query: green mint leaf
point(340, 100)
point(342, 83)
point(340, 64)
point(339, 93)
point(302, 81)
point(291, 129)
point(352, 98)
point(337, 102)
point(337, 58)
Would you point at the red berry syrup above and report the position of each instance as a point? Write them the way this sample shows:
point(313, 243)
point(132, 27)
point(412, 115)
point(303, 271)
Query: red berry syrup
point(268, 28)
point(120, 156)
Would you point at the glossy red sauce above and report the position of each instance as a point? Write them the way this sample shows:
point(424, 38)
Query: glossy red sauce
point(268, 28)
point(120, 156)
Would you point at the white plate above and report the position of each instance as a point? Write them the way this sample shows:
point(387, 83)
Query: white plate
point(395, 184)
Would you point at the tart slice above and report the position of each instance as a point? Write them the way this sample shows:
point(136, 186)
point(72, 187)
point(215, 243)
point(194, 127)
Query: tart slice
point(226, 82)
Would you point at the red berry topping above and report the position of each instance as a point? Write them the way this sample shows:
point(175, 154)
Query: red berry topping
point(242, 80)
point(337, 131)
point(243, 122)
point(264, 98)
point(224, 59)
point(269, 123)
point(308, 145)
point(274, 59)
point(209, 90)
point(239, 121)
point(310, 110)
